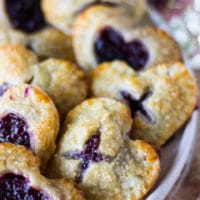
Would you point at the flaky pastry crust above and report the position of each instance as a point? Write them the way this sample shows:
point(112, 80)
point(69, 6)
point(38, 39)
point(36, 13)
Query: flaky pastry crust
point(162, 98)
point(55, 11)
point(62, 81)
point(121, 168)
point(19, 160)
point(89, 24)
point(40, 114)
point(16, 61)
point(51, 43)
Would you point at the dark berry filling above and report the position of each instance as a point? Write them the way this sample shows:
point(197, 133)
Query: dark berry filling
point(14, 129)
point(110, 45)
point(89, 154)
point(25, 15)
point(136, 105)
point(3, 88)
point(15, 187)
point(158, 4)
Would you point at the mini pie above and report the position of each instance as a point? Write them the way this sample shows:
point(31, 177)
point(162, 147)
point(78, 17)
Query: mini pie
point(95, 151)
point(161, 99)
point(100, 34)
point(60, 79)
point(28, 117)
point(55, 11)
point(20, 177)
point(22, 15)
point(46, 43)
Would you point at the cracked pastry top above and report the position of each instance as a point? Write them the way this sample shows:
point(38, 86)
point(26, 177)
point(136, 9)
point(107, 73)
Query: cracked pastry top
point(20, 177)
point(62, 13)
point(161, 99)
point(60, 79)
point(28, 117)
point(103, 34)
point(95, 151)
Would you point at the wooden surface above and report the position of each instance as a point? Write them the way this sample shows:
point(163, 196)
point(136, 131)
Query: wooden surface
point(190, 189)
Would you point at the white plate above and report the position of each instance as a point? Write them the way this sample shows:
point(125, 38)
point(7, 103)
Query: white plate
point(177, 154)
point(175, 161)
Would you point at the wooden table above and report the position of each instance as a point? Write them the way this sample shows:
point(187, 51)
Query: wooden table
point(190, 189)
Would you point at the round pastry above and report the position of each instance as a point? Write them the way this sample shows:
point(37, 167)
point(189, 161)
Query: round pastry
point(22, 15)
point(16, 62)
point(62, 81)
point(51, 42)
point(20, 177)
point(100, 36)
point(61, 13)
point(28, 117)
point(161, 99)
point(94, 150)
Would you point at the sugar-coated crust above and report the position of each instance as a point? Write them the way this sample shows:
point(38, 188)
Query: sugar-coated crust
point(11, 36)
point(51, 42)
point(89, 23)
point(68, 189)
point(133, 166)
point(17, 157)
point(160, 46)
point(39, 112)
point(16, 62)
point(55, 11)
point(172, 96)
point(19, 160)
point(62, 81)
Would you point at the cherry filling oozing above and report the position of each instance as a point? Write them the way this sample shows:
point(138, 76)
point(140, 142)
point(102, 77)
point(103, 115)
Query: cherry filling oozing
point(15, 187)
point(87, 155)
point(25, 15)
point(3, 88)
point(110, 45)
point(137, 105)
point(14, 129)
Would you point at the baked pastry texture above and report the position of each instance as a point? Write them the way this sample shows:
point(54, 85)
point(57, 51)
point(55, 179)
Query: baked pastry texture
point(99, 36)
point(51, 43)
point(16, 62)
point(161, 99)
point(46, 43)
point(22, 15)
point(20, 177)
point(11, 36)
point(62, 13)
point(28, 117)
point(60, 79)
point(95, 151)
